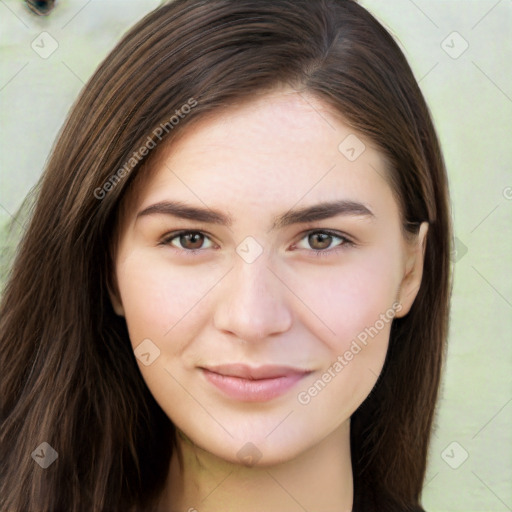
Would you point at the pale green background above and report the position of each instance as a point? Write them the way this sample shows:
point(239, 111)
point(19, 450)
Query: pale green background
point(471, 101)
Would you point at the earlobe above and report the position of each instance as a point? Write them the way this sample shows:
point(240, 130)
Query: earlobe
point(413, 274)
point(115, 298)
point(118, 307)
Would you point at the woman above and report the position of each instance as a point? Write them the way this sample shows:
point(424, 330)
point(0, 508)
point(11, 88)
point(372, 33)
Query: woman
point(233, 292)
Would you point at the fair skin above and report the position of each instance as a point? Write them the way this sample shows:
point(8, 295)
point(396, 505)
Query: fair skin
point(289, 306)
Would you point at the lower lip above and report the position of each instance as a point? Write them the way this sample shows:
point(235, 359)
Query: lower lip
point(247, 390)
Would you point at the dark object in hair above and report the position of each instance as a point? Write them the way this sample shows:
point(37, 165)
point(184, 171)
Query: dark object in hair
point(40, 7)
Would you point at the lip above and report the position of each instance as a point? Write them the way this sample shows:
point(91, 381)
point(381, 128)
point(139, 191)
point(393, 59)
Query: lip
point(253, 384)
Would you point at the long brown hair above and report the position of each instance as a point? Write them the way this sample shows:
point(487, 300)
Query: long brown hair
point(69, 375)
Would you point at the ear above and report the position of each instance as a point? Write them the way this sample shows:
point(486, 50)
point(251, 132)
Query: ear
point(411, 281)
point(115, 296)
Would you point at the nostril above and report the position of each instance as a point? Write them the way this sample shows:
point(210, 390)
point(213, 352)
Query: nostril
point(40, 7)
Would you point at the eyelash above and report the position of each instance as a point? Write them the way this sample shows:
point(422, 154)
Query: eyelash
point(346, 242)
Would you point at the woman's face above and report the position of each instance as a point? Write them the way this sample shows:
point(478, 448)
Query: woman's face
point(258, 269)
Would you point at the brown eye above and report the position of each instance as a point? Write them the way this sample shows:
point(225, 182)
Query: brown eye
point(320, 240)
point(187, 240)
point(191, 240)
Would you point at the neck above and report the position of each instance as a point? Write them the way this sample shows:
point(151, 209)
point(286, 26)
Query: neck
point(319, 479)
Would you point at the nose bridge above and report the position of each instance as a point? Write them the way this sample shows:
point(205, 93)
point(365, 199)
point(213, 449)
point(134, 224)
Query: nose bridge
point(252, 304)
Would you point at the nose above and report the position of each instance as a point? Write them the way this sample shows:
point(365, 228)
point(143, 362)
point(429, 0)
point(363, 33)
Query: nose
point(253, 303)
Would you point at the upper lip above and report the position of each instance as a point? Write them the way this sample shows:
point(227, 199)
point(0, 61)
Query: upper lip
point(260, 372)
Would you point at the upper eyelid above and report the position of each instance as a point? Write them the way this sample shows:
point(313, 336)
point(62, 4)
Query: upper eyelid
point(346, 239)
point(332, 232)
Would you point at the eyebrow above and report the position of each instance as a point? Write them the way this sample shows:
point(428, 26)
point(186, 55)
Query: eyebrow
point(320, 211)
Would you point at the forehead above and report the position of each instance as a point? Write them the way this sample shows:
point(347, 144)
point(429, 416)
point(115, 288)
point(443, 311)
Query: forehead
point(274, 151)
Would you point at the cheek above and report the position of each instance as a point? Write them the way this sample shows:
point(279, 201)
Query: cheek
point(350, 297)
point(359, 309)
point(163, 304)
point(157, 297)
point(356, 301)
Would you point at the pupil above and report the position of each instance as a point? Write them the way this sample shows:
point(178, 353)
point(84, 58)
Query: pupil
point(323, 238)
point(191, 237)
